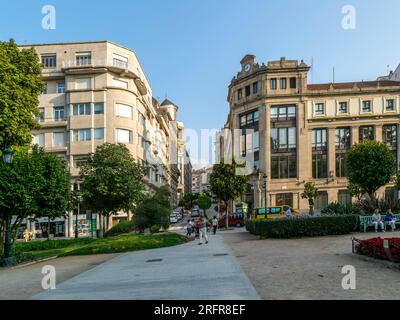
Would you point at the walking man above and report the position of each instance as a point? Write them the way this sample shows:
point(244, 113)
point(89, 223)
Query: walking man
point(203, 230)
point(215, 225)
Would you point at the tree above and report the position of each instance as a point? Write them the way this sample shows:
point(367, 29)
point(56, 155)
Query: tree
point(204, 202)
point(154, 210)
point(369, 166)
point(20, 87)
point(111, 181)
point(54, 194)
point(226, 184)
point(188, 200)
point(310, 193)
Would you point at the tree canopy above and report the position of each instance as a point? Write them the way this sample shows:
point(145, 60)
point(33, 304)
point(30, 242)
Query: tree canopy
point(20, 87)
point(369, 166)
point(204, 202)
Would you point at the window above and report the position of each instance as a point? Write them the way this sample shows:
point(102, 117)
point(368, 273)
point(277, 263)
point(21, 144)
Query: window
point(293, 83)
point(81, 109)
point(343, 108)
point(248, 119)
point(342, 138)
point(319, 109)
point(120, 84)
point(284, 199)
point(98, 108)
point(83, 84)
point(344, 197)
point(123, 110)
point(256, 141)
point(40, 118)
point(78, 161)
point(319, 141)
point(283, 113)
point(141, 119)
point(49, 61)
point(123, 136)
point(272, 84)
point(283, 83)
point(61, 87)
point(284, 167)
point(120, 61)
point(340, 165)
point(39, 140)
point(98, 134)
point(59, 139)
point(367, 133)
point(240, 94)
point(322, 200)
point(247, 91)
point(389, 105)
point(283, 139)
point(58, 113)
point(389, 135)
point(366, 106)
point(83, 59)
point(319, 166)
point(255, 87)
point(82, 135)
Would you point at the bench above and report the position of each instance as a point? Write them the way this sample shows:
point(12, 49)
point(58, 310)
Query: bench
point(367, 221)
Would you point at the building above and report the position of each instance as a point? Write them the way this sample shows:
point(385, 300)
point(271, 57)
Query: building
point(393, 75)
point(299, 132)
point(201, 180)
point(97, 92)
point(184, 164)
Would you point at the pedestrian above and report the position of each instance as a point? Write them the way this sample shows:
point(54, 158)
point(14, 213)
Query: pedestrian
point(288, 213)
point(390, 219)
point(215, 225)
point(202, 231)
point(196, 228)
point(377, 220)
point(189, 228)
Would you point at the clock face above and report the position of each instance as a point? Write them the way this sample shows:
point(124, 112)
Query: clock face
point(247, 67)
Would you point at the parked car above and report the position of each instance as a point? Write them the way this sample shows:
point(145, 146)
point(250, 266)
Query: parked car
point(178, 214)
point(195, 213)
point(173, 218)
point(234, 220)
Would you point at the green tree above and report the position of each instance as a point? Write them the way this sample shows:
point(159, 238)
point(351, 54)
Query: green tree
point(111, 181)
point(204, 203)
point(20, 87)
point(188, 199)
point(310, 193)
point(369, 166)
point(154, 210)
point(226, 184)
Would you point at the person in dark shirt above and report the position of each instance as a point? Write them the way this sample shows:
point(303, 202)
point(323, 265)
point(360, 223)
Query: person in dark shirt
point(390, 219)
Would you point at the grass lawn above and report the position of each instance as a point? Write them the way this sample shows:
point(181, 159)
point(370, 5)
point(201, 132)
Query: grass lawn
point(75, 247)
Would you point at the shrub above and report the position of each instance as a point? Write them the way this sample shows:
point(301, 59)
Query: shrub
point(155, 229)
point(121, 228)
point(298, 227)
point(374, 248)
point(39, 245)
point(336, 208)
point(150, 213)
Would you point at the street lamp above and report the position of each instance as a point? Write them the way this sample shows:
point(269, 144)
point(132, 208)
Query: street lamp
point(8, 157)
point(265, 191)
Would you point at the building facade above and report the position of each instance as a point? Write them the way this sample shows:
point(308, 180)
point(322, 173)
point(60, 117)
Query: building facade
point(184, 164)
point(201, 180)
point(299, 132)
point(97, 92)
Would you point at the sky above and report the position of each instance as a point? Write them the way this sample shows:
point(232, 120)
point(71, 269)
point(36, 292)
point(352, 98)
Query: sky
point(191, 49)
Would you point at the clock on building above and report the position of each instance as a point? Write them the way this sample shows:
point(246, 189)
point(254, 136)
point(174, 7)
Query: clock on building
point(247, 67)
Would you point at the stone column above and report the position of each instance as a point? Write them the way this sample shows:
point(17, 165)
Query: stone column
point(355, 134)
point(378, 133)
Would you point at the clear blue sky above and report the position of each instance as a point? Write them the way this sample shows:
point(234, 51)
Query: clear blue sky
point(190, 49)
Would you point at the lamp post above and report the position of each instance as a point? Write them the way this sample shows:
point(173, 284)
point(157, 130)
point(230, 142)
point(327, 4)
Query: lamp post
point(265, 192)
point(8, 157)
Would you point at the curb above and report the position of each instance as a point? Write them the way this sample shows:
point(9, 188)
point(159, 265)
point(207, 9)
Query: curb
point(385, 263)
point(31, 263)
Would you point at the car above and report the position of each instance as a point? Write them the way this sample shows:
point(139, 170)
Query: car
point(178, 214)
point(234, 220)
point(273, 212)
point(195, 213)
point(173, 218)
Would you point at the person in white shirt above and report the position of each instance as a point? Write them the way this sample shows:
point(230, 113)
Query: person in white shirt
point(215, 225)
point(377, 221)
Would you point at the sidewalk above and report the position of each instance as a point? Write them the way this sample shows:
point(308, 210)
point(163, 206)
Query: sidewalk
point(187, 272)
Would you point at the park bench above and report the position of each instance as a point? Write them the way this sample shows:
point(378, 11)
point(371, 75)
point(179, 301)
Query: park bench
point(367, 221)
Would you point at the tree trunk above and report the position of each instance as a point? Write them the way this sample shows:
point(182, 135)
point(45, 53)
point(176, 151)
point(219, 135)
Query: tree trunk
point(48, 228)
point(227, 214)
point(101, 222)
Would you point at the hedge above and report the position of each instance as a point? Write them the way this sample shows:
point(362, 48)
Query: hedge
point(49, 244)
point(121, 228)
point(299, 227)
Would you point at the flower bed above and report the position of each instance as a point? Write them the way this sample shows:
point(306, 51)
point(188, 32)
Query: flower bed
point(375, 248)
